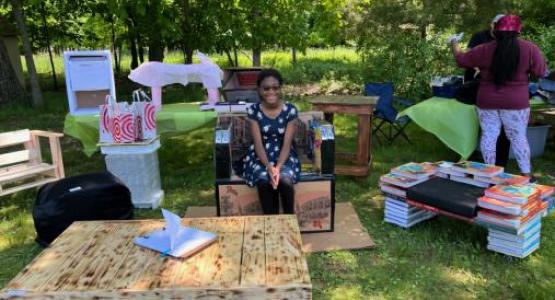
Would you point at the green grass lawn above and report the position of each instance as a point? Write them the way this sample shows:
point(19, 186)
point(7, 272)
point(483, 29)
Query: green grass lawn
point(438, 259)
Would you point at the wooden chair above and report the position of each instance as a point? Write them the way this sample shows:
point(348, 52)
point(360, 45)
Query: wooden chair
point(21, 165)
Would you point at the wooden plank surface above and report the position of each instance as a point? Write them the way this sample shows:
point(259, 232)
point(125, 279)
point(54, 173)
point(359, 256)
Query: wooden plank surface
point(253, 268)
point(14, 157)
point(129, 263)
point(252, 293)
point(283, 251)
point(99, 259)
point(14, 137)
point(344, 100)
point(351, 170)
point(24, 171)
point(343, 108)
point(60, 253)
point(364, 124)
point(222, 266)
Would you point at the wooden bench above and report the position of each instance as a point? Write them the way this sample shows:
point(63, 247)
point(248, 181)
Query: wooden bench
point(21, 164)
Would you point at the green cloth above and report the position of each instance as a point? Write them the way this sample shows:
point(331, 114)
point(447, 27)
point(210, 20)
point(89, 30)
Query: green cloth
point(172, 117)
point(456, 124)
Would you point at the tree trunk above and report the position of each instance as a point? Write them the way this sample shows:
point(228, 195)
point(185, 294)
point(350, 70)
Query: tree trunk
point(188, 55)
point(155, 51)
point(133, 46)
point(140, 48)
point(294, 55)
point(114, 46)
point(423, 31)
point(118, 67)
point(10, 87)
point(47, 36)
point(155, 46)
point(186, 28)
point(229, 58)
point(236, 56)
point(256, 48)
point(256, 57)
point(35, 87)
point(132, 35)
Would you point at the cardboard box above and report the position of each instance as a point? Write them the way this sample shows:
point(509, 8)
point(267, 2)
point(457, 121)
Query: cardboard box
point(314, 201)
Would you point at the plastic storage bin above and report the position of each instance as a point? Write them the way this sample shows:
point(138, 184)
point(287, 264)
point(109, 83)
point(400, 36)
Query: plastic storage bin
point(537, 136)
point(137, 166)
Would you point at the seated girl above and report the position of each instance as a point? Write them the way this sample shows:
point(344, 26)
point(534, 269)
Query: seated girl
point(272, 164)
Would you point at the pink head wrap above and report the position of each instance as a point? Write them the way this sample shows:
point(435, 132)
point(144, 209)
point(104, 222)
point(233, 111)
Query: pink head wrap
point(509, 23)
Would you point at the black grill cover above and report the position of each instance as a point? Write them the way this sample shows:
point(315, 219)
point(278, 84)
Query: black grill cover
point(455, 197)
point(94, 196)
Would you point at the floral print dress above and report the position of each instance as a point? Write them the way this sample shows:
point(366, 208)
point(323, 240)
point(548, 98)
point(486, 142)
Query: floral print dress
point(272, 131)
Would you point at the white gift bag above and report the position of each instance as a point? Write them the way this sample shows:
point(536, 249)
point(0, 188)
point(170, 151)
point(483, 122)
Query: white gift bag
point(145, 116)
point(105, 120)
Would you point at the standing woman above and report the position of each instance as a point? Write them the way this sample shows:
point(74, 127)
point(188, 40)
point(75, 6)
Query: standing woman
point(506, 65)
point(272, 164)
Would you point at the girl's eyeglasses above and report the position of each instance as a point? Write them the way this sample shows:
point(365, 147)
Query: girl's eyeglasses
point(273, 88)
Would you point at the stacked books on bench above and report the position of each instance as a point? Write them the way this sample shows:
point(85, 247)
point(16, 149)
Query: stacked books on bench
point(394, 185)
point(512, 214)
point(478, 174)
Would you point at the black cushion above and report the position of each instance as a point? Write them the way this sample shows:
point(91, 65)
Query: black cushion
point(455, 197)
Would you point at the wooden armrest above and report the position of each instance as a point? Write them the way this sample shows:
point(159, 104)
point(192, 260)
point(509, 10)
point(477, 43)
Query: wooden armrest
point(48, 134)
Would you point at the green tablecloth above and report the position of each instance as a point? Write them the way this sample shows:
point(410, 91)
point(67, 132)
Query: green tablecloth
point(454, 123)
point(172, 117)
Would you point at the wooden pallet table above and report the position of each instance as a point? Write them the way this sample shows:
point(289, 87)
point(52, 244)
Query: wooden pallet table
point(255, 257)
point(363, 107)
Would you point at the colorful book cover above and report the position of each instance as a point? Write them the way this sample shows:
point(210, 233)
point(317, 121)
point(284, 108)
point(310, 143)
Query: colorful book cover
point(504, 178)
point(394, 197)
point(396, 201)
point(404, 224)
point(395, 208)
point(516, 238)
point(415, 170)
point(525, 228)
point(445, 168)
point(469, 180)
point(402, 181)
point(476, 168)
point(545, 190)
point(407, 219)
point(517, 245)
point(515, 193)
point(507, 220)
point(507, 207)
point(401, 212)
point(516, 253)
point(397, 191)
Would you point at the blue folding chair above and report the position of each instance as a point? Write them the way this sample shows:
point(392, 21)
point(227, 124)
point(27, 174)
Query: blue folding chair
point(385, 112)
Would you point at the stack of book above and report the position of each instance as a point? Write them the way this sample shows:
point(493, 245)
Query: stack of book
point(469, 172)
point(512, 214)
point(394, 186)
point(546, 193)
point(478, 174)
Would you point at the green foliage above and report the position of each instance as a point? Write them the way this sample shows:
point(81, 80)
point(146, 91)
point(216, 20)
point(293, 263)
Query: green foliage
point(544, 37)
point(405, 59)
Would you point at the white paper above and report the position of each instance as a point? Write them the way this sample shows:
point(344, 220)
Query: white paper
point(174, 239)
